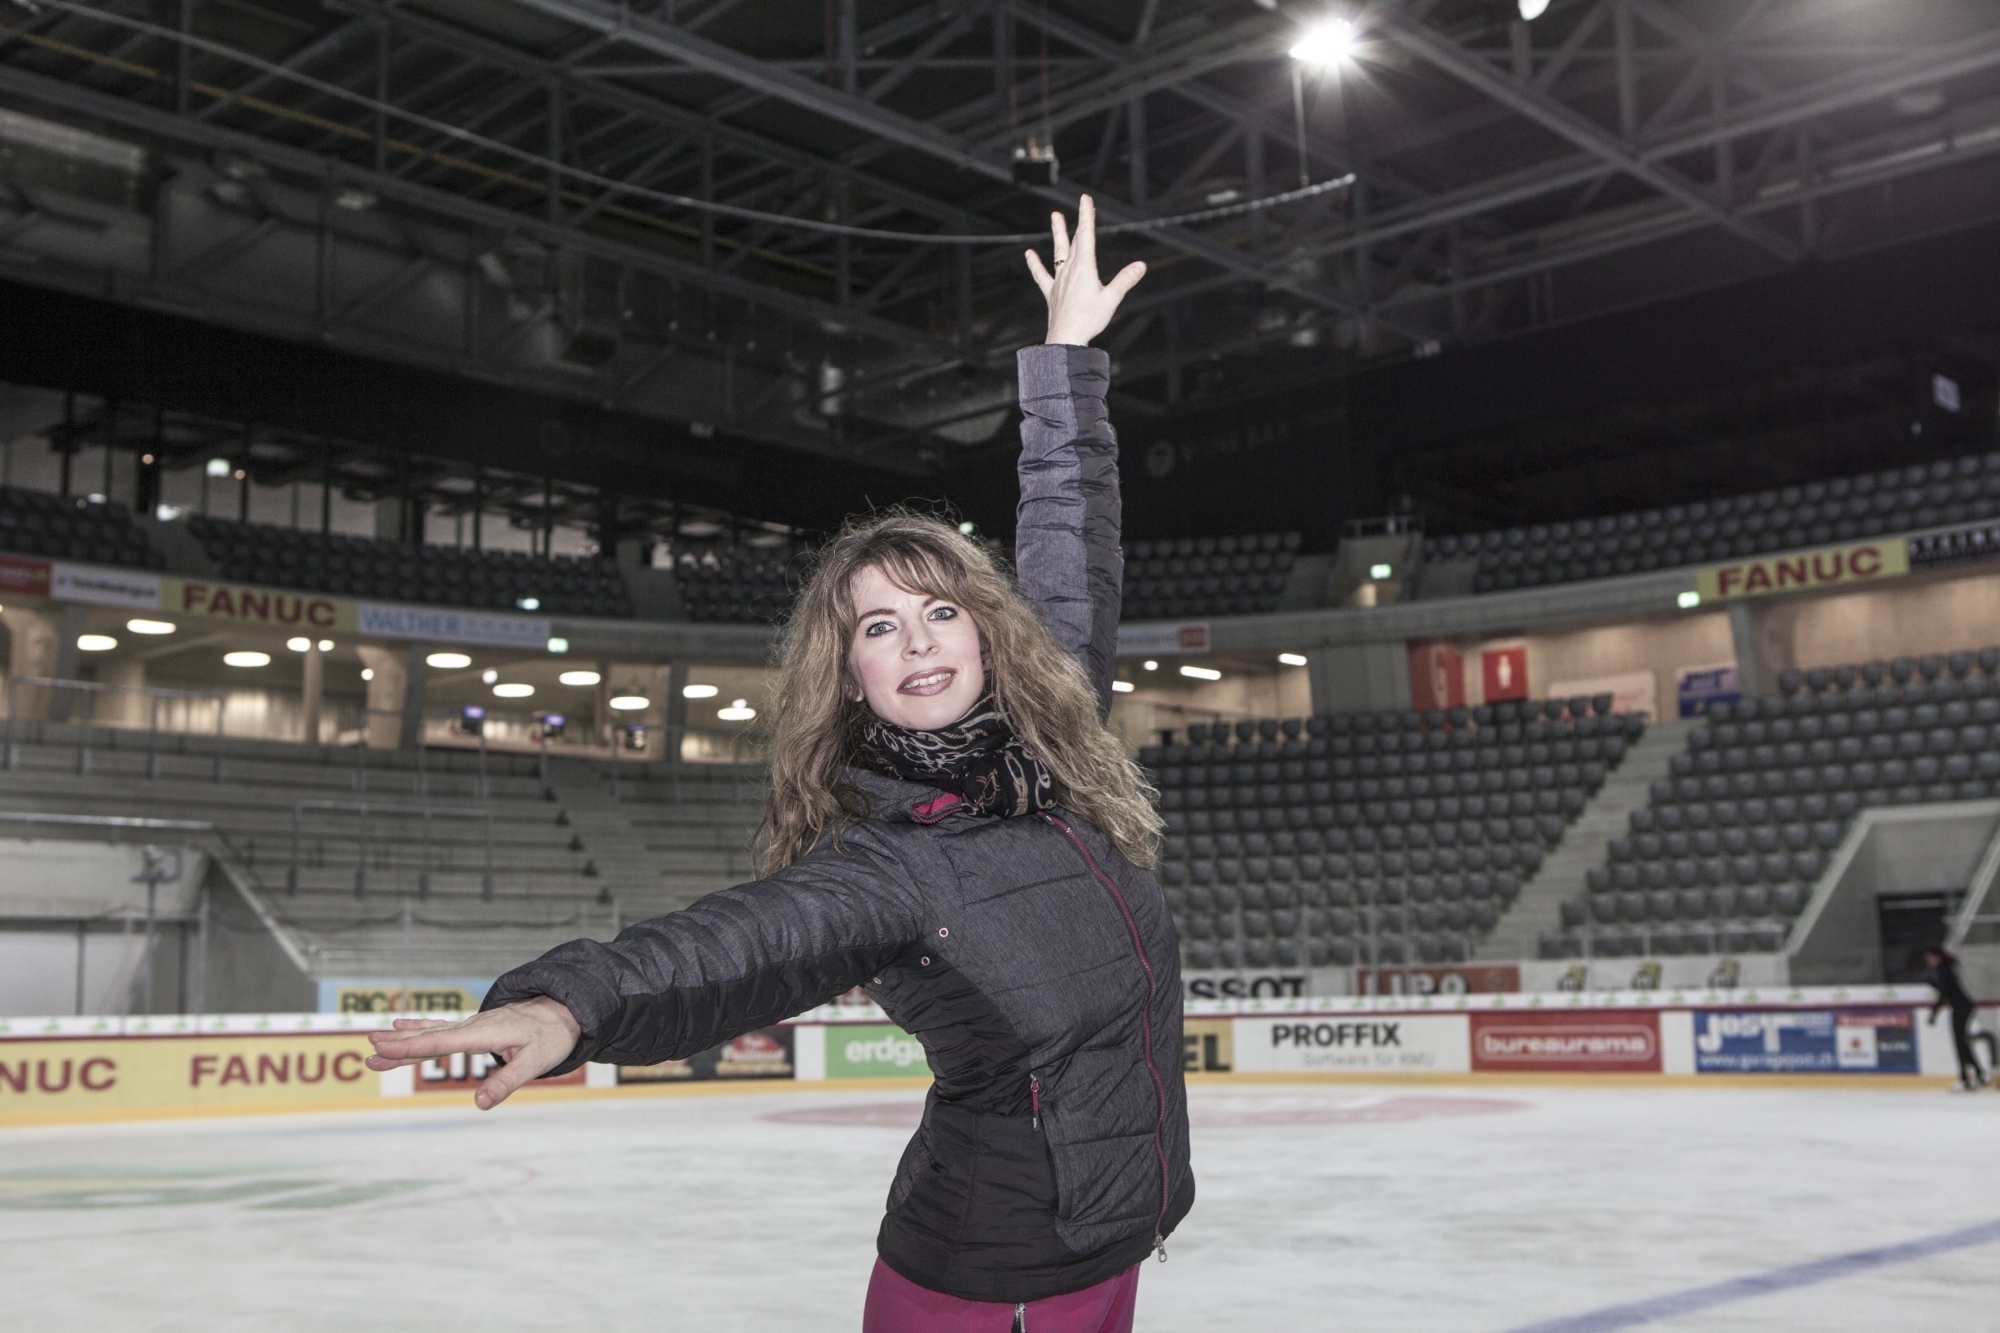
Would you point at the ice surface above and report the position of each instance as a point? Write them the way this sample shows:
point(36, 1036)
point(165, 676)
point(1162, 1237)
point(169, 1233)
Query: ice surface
point(1337, 1207)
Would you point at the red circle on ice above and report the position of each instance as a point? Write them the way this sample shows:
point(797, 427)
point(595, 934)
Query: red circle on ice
point(1227, 1110)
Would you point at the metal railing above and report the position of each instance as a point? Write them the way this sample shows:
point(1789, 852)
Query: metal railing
point(151, 693)
point(363, 836)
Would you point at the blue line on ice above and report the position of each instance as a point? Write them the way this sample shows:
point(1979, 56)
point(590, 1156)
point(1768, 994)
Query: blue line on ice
point(1655, 1308)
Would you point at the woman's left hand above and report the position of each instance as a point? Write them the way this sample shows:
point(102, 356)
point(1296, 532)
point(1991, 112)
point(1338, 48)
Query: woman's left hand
point(1080, 307)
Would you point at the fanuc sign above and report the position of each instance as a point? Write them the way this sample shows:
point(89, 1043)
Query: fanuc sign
point(1803, 572)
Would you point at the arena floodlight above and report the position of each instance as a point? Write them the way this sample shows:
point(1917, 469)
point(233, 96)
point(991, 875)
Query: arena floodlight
point(529, 603)
point(1122, 687)
point(1327, 42)
point(246, 658)
point(488, 676)
point(739, 710)
point(513, 690)
point(448, 661)
point(631, 703)
point(326, 645)
point(1150, 665)
point(144, 626)
point(299, 644)
point(1380, 570)
point(1201, 673)
point(700, 691)
point(218, 468)
point(1530, 10)
point(579, 678)
point(95, 643)
point(558, 644)
point(367, 673)
point(1291, 659)
point(1688, 600)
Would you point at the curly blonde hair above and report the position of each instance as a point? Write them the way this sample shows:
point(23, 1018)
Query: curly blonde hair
point(815, 723)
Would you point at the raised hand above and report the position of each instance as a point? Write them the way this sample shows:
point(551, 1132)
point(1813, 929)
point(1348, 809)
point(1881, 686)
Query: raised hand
point(533, 1036)
point(1080, 307)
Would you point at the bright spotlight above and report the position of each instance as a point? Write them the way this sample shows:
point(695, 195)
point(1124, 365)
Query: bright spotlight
point(1201, 673)
point(1150, 664)
point(299, 645)
point(246, 659)
point(579, 678)
point(151, 626)
point(218, 467)
point(1688, 600)
point(1291, 659)
point(1325, 43)
point(326, 645)
point(558, 644)
point(700, 691)
point(448, 661)
point(1533, 9)
point(513, 690)
point(489, 675)
point(1122, 687)
point(96, 643)
point(631, 703)
point(1378, 572)
point(739, 710)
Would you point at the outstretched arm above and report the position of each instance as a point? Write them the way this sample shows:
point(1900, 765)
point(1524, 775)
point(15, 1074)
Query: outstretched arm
point(1066, 545)
point(665, 989)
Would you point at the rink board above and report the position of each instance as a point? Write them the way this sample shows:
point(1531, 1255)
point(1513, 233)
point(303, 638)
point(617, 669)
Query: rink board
point(68, 1070)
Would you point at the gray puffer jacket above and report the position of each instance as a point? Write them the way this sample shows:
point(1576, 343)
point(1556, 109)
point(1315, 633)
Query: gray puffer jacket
point(1037, 966)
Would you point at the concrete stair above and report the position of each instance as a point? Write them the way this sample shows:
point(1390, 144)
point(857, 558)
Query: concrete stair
point(1539, 907)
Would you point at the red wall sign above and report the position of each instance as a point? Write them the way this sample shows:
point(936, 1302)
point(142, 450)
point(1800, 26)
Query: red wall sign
point(1437, 676)
point(1505, 673)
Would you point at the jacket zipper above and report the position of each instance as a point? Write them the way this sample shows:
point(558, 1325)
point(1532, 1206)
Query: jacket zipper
point(1146, 1030)
point(1034, 1102)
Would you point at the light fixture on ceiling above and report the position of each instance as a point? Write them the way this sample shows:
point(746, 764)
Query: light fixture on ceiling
point(513, 689)
point(448, 661)
point(367, 673)
point(1150, 664)
point(143, 626)
point(1688, 600)
point(1327, 42)
point(700, 691)
point(1201, 673)
point(631, 703)
point(246, 658)
point(217, 467)
point(326, 645)
point(96, 643)
point(739, 710)
point(1291, 659)
point(489, 675)
point(1530, 10)
point(1380, 570)
point(558, 644)
point(579, 678)
point(300, 644)
point(1122, 687)
point(529, 603)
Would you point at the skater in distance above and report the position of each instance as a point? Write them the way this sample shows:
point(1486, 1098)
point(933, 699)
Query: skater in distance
point(950, 825)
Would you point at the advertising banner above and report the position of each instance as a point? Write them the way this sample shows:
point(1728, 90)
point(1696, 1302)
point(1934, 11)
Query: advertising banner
point(1217, 985)
point(18, 574)
point(1555, 1042)
point(874, 1050)
point(1630, 691)
point(1208, 1045)
point(1162, 640)
point(451, 997)
point(1699, 688)
point(1503, 674)
point(264, 608)
point(70, 1078)
point(1371, 1044)
point(765, 1053)
point(430, 624)
point(463, 1073)
point(1828, 567)
point(1806, 1041)
point(1458, 979)
point(104, 587)
point(1437, 676)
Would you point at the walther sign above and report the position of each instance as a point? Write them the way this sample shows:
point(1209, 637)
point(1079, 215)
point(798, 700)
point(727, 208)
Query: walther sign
point(1825, 568)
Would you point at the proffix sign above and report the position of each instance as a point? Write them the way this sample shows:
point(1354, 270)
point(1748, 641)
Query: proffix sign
point(1615, 1042)
point(1862, 563)
point(1358, 1044)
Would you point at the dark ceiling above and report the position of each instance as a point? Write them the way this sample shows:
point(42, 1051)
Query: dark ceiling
point(511, 193)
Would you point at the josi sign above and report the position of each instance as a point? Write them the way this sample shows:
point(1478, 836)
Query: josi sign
point(1826, 568)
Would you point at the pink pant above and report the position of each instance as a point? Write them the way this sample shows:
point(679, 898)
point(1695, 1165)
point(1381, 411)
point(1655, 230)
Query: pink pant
point(898, 1305)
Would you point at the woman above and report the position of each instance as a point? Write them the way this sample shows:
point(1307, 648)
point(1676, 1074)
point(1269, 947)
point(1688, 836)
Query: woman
point(1943, 978)
point(950, 825)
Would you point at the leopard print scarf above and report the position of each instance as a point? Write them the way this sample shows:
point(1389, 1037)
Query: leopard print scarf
point(978, 758)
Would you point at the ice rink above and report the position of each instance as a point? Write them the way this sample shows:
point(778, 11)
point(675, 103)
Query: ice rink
point(1321, 1207)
